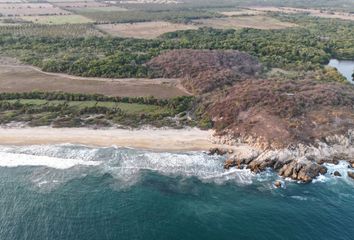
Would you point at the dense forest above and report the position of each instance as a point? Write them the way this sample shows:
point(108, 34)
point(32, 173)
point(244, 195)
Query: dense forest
point(306, 47)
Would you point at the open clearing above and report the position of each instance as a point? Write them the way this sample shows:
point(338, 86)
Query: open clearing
point(98, 9)
point(30, 9)
point(79, 4)
point(241, 12)
point(22, 78)
point(67, 19)
point(312, 12)
point(146, 30)
point(258, 22)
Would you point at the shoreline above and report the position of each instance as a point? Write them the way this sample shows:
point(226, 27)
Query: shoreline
point(191, 139)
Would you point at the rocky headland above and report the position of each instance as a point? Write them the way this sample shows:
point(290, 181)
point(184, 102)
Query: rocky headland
point(291, 126)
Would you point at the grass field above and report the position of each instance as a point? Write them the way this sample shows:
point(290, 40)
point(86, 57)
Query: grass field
point(258, 22)
point(30, 9)
point(312, 12)
point(79, 4)
point(129, 108)
point(57, 20)
point(64, 30)
point(15, 78)
point(146, 30)
point(98, 9)
point(241, 12)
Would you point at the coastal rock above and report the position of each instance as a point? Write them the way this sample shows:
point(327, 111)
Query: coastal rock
point(230, 163)
point(337, 174)
point(242, 157)
point(277, 184)
point(299, 162)
point(310, 171)
point(351, 163)
point(217, 151)
point(351, 174)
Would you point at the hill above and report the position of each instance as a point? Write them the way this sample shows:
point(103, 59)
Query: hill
point(205, 70)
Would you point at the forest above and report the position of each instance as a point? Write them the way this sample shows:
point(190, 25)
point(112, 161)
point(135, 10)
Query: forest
point(303, 48)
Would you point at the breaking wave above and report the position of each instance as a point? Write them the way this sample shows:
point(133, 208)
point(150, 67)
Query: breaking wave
point(126, 165)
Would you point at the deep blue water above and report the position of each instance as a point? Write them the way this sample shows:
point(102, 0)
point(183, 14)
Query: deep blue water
point(75, 192)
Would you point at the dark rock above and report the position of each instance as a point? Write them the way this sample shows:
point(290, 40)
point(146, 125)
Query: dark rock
point(351, 174)
point(277, 184)
point(309, 171)
point(351, 163)
point(217, 151)
point(230, 163)
point(337, 174)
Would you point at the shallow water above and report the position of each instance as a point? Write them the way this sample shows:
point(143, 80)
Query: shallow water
point(77, 192)
point(345, 67)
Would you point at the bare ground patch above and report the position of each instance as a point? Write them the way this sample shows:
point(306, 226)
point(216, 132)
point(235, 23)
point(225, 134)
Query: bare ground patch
point(312, 12)
point(30, 9)
point(146, 30)
point(258, 22)
point(76, 4)
point(21, 78)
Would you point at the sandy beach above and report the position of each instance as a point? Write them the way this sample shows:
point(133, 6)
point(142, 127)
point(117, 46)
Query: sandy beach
point(155, 139)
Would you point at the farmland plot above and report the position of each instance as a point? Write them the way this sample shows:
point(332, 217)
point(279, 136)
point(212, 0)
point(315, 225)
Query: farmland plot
point(258, 22)
point(56, 20)
point(30, 9)
point(146, 30)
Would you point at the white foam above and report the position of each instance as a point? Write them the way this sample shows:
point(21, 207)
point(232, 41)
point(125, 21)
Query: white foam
point(18, 159)
point(126, 165)
point(300, 198)
point(341, 167)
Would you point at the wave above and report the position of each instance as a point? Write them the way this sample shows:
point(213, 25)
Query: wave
point(18, 159)
point(341, 167)
point(126, 165)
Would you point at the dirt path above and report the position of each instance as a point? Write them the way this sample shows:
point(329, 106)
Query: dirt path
point(15, 77)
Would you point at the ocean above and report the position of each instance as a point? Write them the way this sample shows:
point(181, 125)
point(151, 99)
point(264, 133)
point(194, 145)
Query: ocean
point(72, 192)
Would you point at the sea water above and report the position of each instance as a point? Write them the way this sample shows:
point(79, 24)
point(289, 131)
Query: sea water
point(82, 193)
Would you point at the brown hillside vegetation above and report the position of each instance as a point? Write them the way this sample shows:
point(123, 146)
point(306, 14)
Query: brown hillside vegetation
point(273, 113)
point(205, 70)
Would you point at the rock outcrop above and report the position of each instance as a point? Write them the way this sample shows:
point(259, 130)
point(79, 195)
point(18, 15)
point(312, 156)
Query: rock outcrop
point(302, 163)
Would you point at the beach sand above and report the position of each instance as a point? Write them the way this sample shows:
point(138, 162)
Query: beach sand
point(192, 139)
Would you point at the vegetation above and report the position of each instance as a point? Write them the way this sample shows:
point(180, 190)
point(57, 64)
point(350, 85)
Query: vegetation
point(70, 110)
point(303, 48)
point(62, 31)
point(144, 16)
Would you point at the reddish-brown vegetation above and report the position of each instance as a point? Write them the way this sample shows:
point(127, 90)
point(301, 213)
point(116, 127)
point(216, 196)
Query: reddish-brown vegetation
point(278, 113)
point(205, 70)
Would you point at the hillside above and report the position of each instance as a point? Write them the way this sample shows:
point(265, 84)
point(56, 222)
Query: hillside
point(205, 70)
point(276, 114)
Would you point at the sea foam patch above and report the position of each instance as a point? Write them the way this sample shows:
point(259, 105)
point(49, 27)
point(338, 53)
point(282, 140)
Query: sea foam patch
point(18, 159)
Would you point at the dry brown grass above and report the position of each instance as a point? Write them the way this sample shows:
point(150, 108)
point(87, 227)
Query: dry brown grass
point(76, 4)
point(147, 30)
point(312, 12)
point(18, 78)
point(258, 22)
point(30, 9)
point(241, 12)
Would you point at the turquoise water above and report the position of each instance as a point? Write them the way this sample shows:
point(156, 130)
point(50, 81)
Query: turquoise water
point(76, 192)
point(345, 67)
